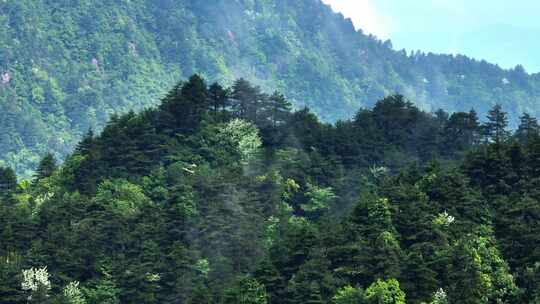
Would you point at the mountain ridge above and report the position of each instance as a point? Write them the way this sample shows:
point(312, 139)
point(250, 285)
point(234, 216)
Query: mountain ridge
point(68, 65)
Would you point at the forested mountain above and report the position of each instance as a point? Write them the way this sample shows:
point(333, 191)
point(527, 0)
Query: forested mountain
point(67, 65)
point(225, 195)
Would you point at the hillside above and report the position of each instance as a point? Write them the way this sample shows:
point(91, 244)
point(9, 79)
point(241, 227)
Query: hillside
point(67, 65)
point(209, 200)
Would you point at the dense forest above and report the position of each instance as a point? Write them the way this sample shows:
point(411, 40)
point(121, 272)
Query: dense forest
point(68, 65)
point(226, 195)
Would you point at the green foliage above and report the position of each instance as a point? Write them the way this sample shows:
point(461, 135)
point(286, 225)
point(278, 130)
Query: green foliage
point(73, 294)
point(319, 199)
point(46, 167)
point(221, 195)
point(348, 295)
point(81, 62)
point(385, 292)
point(246, 291)
point(244, 136)
point(8, 180)
point(103, 291)
point(121, 196)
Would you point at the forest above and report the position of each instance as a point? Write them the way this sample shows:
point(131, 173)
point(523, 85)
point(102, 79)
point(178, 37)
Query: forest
point(69, 65)
point(226, 195)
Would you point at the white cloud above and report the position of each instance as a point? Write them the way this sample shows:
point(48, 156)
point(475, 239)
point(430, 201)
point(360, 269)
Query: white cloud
point(363, 14)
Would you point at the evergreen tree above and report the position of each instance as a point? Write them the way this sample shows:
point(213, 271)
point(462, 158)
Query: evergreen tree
point(517, 228)
point(269, 276)
point(278, 109)
point(528, 128)
point(495, 129)
point(46, 167)
point(218, 97)
point(8, 181)
point(419, 278)
point(246, 291)
point(246, 100)
point(86, 144)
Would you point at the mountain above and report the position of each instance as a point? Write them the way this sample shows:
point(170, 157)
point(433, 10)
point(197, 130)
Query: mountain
point(204, 199)
point(67, 65)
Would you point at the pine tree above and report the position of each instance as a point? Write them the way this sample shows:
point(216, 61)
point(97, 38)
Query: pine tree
point(269, 276)
point(46, 167)
point(246, 291)
point(419, 279)
point(528, 128)
point(246, 100)
point(518, 228)
point(461, 131)
point(278, 109)
point(219, 97)
point(86, 144)
point(8, 181)
point(496, 127)
point(474, 127)
point(312, 283)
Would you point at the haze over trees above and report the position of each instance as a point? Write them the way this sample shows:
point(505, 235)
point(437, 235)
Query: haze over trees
point(68, 66)
point(226, 195)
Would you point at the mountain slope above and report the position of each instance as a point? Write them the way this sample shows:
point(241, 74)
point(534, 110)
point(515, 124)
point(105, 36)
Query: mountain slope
point(248, 202)
point(67, 65)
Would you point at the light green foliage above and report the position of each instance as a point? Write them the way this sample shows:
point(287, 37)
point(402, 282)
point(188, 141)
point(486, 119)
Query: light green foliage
point(246, 291)
point(203, 267)
point(348, 295)
point(443, 219)
point(489, 279)
point(380, 216)
point(385, 292)
point(102, 291)
point(244, 136)
point(73, 294)
point(121, 196)
point(271, 231)
point(319, 199)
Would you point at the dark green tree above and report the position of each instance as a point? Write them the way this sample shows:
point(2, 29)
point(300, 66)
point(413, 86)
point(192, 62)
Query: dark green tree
point(246, 100)
point(46, 167)
point(218, 97)
point(495, 129)
point(528, 128)
point(8, 180)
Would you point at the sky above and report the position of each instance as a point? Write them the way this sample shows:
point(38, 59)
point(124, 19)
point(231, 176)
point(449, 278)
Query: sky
point(504, 32)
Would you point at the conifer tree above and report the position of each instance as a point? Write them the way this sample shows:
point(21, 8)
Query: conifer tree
point(496, 127)
point(86, 144)
point(269, 276)
point(528, 128)
point(246, 100)
point(278, 109)
point(8, 180)
point(46, 167)
point(218, 97)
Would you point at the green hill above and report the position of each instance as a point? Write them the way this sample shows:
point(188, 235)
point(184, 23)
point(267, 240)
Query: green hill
point(67, 65)
point(209, 200)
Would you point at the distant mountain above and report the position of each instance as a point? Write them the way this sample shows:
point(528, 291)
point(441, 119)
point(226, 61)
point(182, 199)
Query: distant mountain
point(67, 65)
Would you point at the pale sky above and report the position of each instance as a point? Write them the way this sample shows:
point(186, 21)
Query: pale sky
point(501, 31)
